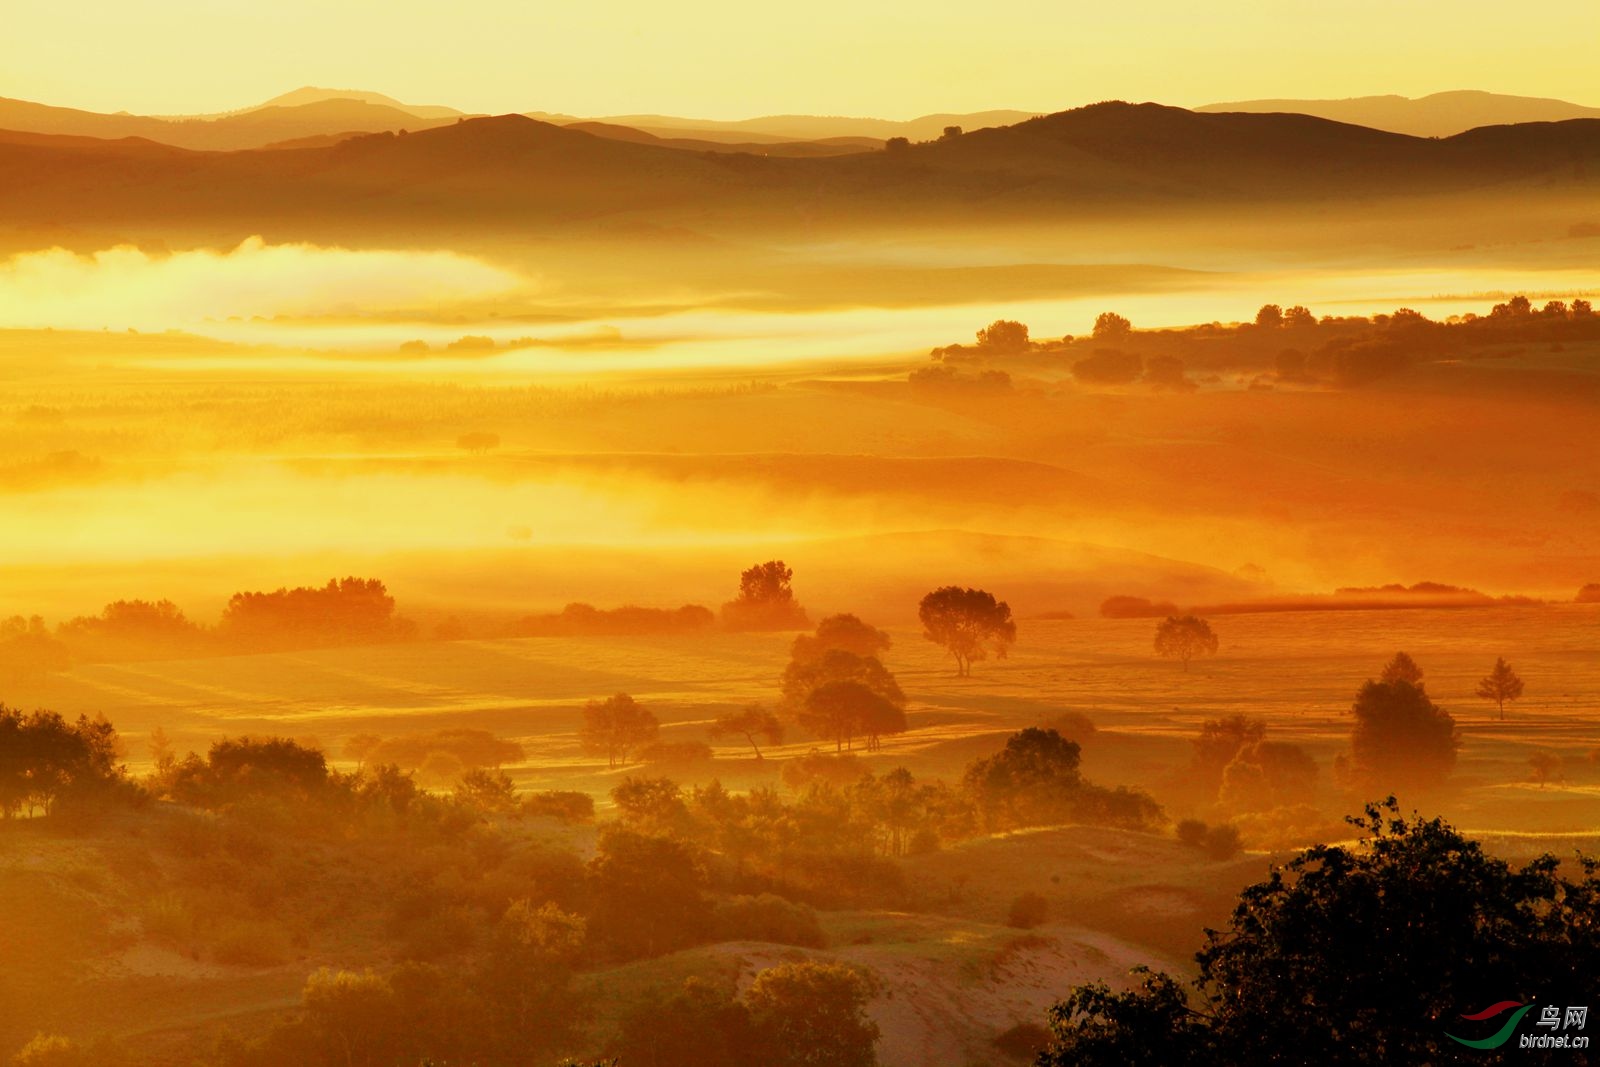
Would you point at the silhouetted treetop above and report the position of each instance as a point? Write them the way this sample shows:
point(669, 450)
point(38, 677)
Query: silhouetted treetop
point(1385, 946)
point(765, 600)
point(1184, 637)
point(1402, 668)
point(1500, 685)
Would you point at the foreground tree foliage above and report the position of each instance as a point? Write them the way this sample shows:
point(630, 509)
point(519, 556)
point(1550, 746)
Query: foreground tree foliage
point(794, 1015)
point(1362, 955)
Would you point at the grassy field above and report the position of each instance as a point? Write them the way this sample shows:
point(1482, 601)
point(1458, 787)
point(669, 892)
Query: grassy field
point(1299, 671)
point(954, 974)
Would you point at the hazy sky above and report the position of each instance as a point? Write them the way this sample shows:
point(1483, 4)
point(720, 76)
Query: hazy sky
point(728, 59)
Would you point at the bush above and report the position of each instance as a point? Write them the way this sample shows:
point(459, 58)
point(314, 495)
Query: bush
point(1107, 366)
point(767, 918)
point(1027, 911)
point(844, 768)
point(566, 805)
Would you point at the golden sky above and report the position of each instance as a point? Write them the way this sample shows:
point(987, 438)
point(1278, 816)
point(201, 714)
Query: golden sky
point(727, 59)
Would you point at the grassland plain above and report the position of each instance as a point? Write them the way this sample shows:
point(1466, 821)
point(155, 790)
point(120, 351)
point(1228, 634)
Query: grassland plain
point(953, 973)
point(1297, 670)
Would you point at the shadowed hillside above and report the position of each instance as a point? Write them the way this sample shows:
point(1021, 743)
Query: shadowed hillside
point(494, 170)
point(1436, 115)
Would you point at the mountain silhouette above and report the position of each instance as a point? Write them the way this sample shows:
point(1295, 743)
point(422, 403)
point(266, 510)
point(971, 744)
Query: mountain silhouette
point(1438, 115)
point(505, 170)
point(251, 128)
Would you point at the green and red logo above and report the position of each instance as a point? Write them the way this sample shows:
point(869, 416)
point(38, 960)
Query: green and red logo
point(1501, 1036)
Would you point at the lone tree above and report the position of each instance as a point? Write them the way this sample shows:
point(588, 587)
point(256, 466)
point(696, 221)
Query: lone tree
point(967, 622)
point(1307, 970)
point(1401, 737)
point(1109, 326)
point(616, 728)
point(1004, 335)
point(1185, 637)
point(1401, 669)
point(750, 722)
point(765, 600)
point(1500, 685)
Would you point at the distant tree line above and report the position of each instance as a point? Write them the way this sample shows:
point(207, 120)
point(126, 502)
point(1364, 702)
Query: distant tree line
point(1290, 346)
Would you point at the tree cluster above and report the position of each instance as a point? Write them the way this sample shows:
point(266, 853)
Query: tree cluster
point(1361, 956)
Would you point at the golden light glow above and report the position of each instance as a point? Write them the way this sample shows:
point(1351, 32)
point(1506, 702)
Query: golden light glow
point(721, 59)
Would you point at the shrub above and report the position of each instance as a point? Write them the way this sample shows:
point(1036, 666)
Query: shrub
point(817, 766)
point(767, 918)
point(566, 805)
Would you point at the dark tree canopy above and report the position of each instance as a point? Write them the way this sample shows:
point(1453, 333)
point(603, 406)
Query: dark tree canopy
point(1500, 685)
point(345, 611)
point(967, 622)
point(1184, 637)
point(1401, 669)
point(1402, 739)
point(1004, 335)
point(645, 894)
point(844, 710)
point(1367, 955)
point(765, 600)
point(1109, 326)
point(616, 728)
point(43, 757)
point(1034, 781)
point(813, 1015)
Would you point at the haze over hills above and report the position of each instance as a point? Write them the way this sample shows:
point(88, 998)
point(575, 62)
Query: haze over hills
point(251, 128)
point(510, 168)
point(778, 128)
point(1437, 115)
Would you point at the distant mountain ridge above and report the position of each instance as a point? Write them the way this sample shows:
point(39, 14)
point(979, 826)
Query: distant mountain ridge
point(514, 171)
point(1436, 115)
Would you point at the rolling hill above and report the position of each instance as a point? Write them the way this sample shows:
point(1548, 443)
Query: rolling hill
point(1438, 115)
point(515, 170)
point(252, 128)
